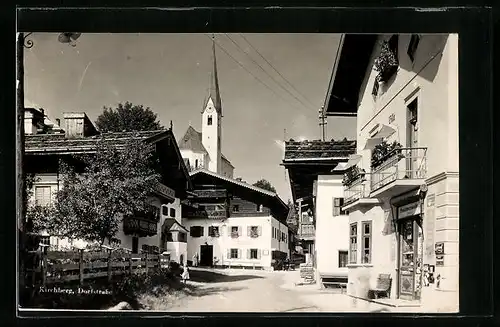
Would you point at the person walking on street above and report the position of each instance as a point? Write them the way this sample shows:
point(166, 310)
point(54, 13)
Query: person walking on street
point(195, 259)
point(185, 275)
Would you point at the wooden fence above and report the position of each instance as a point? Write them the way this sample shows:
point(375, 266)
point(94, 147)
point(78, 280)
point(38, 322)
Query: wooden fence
point(63, 266)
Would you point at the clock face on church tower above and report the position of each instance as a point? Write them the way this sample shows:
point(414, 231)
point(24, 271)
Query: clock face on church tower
point(210, 109)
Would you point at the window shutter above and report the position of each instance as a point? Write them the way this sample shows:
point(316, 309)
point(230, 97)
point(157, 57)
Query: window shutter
point(239, 230)
point(202, 230)
point(249, 230)
point(248, 254)
point(239, 253)
point(259, 230)
point(258, 254)
point(229, 253)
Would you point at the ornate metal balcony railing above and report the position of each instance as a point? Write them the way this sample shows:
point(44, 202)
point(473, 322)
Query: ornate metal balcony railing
point(306, 230)
point(355, 191)
point(402, 163)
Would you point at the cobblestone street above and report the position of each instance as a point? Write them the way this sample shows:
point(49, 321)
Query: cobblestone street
point(262, 291)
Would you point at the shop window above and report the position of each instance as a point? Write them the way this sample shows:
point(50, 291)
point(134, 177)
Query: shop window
point(353, 246)
point(367, 242)
point(342, 259)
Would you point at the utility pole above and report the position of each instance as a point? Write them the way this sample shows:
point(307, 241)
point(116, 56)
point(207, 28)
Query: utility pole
point(322, 122)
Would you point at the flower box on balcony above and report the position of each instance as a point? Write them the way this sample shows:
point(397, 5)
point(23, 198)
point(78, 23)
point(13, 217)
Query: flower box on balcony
point(234, 234)
point(352, 175)
point(386, 152)
point(386, 63)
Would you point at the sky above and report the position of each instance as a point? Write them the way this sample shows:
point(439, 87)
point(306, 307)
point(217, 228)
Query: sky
point(271, 86)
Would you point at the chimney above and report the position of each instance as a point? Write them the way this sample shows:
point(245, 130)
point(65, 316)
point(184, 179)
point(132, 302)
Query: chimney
point(32, 120)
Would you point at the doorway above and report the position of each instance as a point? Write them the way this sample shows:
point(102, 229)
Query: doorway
point(410, 258)
point(206, 255)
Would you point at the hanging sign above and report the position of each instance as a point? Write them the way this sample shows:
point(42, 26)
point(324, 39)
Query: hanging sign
point(408, 210)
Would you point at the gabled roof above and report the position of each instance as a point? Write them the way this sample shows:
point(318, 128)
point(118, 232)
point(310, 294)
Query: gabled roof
point(172, 224)
point(192, 140)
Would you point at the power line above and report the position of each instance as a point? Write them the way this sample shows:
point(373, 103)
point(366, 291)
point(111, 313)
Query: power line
point(279, 84)
point(283, 77)
point(241, 65)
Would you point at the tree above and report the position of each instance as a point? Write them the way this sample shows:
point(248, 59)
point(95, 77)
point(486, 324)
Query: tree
point(265, 184)
point(128, 117)
point(115, 182)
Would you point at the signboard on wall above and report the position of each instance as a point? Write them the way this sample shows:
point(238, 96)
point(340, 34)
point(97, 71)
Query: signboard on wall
point(408, 210)
point(440, 260)
point(439, 248)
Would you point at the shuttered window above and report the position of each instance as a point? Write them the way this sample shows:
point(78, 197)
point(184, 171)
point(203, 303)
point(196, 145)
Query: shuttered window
point(234, 253)
point(43, 196)
point(254, 231)
point(235, 231)
point(353, 246)
point(254, 254)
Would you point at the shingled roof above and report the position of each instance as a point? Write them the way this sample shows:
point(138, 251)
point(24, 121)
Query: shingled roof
point(317, 149)
point(59, 142)
point(192, 140)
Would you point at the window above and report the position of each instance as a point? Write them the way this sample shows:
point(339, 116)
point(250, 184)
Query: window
point(233, 254)
point(412, 47)
point(164, 210)
point(337, 207)
point(253, 254)
point(45, 240)
point(353, 249)
point(43, 195)
point(342, 259)
point(367, 241)
point(235, 231)
point(253, 231)
point(213, 231)
point(282, 236)
point(172, 212)
point(209, 120)
point(259, 207)
point(196, 163)
point(169, 237)
point(182, 237)
point(196, 231)
point(375, 87)
point(236, 208)
point(135, 244)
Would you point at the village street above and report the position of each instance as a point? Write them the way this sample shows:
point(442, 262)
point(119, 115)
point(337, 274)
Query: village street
point(262, 291)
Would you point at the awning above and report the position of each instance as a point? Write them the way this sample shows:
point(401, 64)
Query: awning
point(352, 161)
point(384, 131)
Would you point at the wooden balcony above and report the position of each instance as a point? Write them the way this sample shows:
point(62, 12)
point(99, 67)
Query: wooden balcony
point(306, 232)
point(400, 171)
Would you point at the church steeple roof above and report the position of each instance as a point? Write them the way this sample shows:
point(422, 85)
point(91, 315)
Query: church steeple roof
point(214, 92)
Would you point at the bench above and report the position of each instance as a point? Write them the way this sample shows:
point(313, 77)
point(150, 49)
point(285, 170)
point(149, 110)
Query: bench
point(334, 279)
point(384, 282)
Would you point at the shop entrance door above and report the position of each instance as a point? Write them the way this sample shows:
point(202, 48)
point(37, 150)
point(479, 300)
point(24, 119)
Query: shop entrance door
point(410, 258)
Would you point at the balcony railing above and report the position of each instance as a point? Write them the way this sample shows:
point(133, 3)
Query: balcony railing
point(355, 191)
point(399, 164)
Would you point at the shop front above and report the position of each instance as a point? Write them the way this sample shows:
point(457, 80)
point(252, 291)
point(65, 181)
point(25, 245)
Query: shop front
point(410, 250)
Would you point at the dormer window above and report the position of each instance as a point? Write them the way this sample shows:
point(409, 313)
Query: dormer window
point(209, 122)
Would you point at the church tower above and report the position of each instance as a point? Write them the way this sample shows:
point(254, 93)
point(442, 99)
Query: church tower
point(211, 129)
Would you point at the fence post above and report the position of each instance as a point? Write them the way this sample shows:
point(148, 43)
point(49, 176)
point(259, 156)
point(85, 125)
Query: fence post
point(44, 267)
point(80, 264)
point(109, 265)
point(146, 261)
point(130, 262)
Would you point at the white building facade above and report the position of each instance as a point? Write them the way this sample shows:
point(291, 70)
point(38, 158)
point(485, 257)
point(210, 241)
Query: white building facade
point(403, 195)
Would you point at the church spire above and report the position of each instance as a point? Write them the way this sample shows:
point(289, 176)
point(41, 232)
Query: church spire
point(214, 92)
